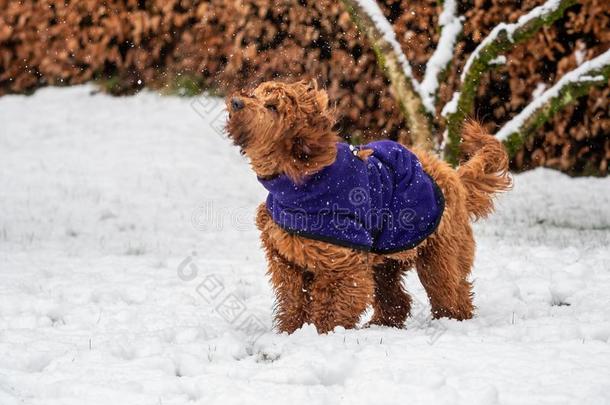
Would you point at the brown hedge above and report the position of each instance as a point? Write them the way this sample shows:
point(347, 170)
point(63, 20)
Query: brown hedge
point(224, 45)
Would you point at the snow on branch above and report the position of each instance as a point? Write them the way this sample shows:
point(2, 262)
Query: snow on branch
point(572, 85)
point(451, 27)
point(501, 39)
point(370, 20)
point(504, 36)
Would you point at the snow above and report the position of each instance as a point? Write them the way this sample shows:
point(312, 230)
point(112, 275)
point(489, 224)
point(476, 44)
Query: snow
point(509, 30)
point(452, 105)
point(581, 73)
point(104, 201)
point(451, 27)
point(499, 60)
point(383, 25)
point(540, 87)
point(580, 52)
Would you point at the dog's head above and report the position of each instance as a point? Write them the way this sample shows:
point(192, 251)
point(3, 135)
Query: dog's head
point(283, 128)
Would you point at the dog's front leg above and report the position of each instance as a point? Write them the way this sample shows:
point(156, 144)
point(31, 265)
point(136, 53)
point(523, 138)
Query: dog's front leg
point(289, 280)
point(291, 285)
point(392, 304)
point(339, 296)
point(314, 281)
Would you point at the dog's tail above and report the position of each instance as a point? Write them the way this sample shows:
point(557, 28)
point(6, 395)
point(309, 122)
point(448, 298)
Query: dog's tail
point(485, 173)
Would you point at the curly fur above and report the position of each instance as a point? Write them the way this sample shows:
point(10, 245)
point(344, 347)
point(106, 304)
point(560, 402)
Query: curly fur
point(287, 129)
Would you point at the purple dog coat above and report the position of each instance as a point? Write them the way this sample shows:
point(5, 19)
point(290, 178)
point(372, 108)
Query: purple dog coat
point(385, 204)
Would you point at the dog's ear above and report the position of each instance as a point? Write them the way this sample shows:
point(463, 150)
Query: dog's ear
point(300, 149)
point(313, 141)
point(310, 151)
point(310, 142)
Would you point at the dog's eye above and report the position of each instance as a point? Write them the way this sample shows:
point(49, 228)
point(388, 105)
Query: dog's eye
point(271, 107)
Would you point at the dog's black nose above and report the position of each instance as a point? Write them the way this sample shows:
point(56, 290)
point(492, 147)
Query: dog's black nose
point(237, 104)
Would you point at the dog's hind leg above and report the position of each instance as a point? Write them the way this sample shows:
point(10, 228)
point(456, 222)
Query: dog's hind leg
point(339, 296)
point(443, 269)
point(392, 303)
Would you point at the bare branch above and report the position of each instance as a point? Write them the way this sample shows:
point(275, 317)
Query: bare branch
point(501, 39)
point(370, 20)
point(568, 89)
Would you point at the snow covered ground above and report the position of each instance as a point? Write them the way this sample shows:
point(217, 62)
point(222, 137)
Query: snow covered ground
point(104, 200)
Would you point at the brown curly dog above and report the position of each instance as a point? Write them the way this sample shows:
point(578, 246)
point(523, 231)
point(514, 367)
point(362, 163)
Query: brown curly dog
point(286, 131)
